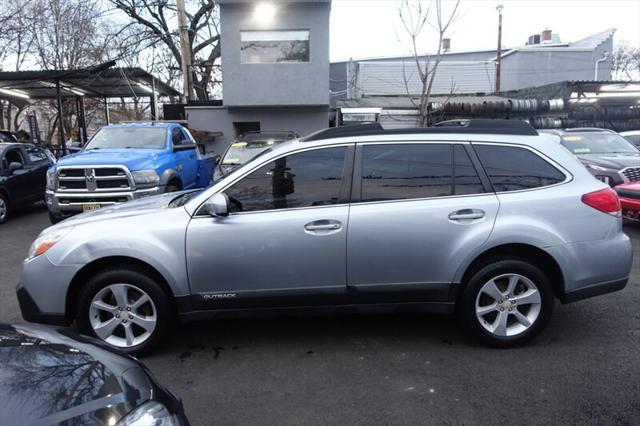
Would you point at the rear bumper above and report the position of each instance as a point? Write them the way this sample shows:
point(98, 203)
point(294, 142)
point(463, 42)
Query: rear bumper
point(69, 203)
point(30, 311)
point(594, 290)
point(630, 208)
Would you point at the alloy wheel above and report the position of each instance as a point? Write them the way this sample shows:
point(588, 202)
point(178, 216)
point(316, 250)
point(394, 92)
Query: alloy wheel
point(123, 315)
point(3, 209)
point(508, 305)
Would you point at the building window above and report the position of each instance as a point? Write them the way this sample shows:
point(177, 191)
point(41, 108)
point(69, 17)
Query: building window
point(268, 47)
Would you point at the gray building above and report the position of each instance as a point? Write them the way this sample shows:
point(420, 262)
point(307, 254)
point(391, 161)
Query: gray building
point(275, 70)
point(543, 60)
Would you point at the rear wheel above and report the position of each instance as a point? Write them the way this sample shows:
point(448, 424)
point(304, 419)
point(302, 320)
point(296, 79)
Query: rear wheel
point(126, 309)
point(4, 208)
point(506, 303)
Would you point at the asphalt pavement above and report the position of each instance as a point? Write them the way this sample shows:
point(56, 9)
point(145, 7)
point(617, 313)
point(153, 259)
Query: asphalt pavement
point(389, 369)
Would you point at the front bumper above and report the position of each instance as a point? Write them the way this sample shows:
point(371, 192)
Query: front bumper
point(31, 312)
point(63, 204)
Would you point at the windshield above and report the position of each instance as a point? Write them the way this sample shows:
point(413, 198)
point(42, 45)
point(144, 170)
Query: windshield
point(597, 143)
point(128, 137)
point(240, 153)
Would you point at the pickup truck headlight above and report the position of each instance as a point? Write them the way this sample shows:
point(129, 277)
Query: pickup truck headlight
point(149, 413)
point(146, 177)
point(47, 240)
point(51, 180)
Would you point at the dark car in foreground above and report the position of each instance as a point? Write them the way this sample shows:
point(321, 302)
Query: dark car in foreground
point(246, 147)
point(23, 171)
point(607, 155)
point(54, 376)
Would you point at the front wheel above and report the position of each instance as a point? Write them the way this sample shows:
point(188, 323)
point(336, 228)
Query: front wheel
point(126, 309)
point(4, 208)
point(506, 303)
point(55, 219)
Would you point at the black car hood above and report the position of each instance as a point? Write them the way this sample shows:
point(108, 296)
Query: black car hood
point(50, 375)
point(612, 161)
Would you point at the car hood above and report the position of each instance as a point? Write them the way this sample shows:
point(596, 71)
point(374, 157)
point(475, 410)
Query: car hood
point(141, 206)
point(612, 161)
point(51, 375)
point(134, 159)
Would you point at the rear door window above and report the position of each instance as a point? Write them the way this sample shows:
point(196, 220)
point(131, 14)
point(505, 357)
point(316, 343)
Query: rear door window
point(512, 168)
point(409, 171)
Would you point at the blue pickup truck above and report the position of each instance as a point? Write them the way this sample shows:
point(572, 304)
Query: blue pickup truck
point(123, 162)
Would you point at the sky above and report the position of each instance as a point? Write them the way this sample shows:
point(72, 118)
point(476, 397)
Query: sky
point(372, 28)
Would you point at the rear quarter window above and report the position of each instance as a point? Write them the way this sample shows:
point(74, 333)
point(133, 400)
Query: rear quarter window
point(513, 169)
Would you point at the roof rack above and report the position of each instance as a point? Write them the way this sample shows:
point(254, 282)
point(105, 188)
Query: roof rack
point(484, 126)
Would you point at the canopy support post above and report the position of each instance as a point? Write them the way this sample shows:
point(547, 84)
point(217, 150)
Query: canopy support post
point(61, 142)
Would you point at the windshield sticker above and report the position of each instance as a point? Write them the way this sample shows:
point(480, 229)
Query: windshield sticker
point(572, 138)
point(581, 151)
point(239, 145)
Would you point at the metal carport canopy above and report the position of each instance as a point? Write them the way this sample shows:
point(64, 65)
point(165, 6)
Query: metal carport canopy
point(90, 82)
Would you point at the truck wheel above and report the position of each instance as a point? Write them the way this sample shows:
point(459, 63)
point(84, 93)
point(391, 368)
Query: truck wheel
point(55, 219)
point(4, 208)
point(126, 309)
point(506, 303)
point(172, 187)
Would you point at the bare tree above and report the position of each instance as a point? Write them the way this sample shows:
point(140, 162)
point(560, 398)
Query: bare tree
point(415, 16)
point(626, 62)
point(153, 20)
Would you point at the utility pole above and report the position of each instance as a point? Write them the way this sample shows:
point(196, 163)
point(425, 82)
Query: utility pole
point(499, 52)
point(185, 52)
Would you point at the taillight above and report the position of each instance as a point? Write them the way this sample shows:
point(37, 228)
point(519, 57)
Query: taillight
point(606, 200)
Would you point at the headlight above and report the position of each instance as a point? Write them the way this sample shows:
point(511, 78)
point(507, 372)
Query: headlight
point(45, 241)
point(146, 177)
point(150, 413)
point(598, 168)
point(51, 180)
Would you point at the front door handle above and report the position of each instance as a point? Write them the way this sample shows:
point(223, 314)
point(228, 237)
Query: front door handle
point(319, 226)
point(466, 214)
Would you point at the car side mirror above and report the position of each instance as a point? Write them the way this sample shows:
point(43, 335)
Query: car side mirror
point(217, 205)
point(13, 166)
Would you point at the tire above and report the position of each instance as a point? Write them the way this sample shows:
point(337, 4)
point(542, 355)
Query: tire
point(172, 187)
point(503, 323)
point(55, 219)
point(4, 208)
point(125, 333)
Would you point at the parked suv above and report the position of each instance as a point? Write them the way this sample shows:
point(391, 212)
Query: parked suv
point(486, 219)
point(607, 155)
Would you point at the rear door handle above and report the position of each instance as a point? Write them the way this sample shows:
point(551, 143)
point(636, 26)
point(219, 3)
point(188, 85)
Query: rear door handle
point(323, 225)
point(466, 214)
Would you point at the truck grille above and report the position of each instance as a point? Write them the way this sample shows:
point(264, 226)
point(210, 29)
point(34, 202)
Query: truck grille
point(94, 179)
point(632, 174)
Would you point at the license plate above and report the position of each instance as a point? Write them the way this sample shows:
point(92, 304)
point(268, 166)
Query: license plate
point(90, 207)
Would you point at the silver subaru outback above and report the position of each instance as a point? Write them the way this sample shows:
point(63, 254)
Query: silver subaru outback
point(486, 219)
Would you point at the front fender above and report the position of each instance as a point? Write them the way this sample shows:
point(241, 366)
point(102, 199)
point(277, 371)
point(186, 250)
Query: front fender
point(167, 175)
point(154, 238)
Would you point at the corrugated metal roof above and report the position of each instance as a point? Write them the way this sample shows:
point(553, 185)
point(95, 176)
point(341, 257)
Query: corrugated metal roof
point(402, 78)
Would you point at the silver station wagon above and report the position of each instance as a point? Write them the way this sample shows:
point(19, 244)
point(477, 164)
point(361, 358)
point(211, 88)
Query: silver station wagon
point(482, 218)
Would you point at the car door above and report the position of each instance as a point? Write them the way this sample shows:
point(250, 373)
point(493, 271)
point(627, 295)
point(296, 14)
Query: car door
point(284, 242)
point(186, 153)
point(37, 165)
point(418, 209)
point(18, 183)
